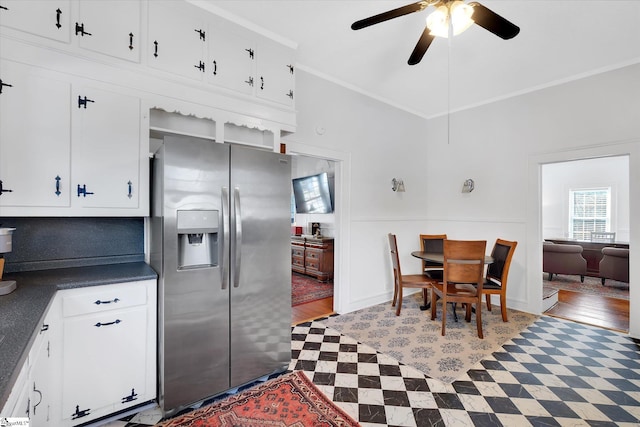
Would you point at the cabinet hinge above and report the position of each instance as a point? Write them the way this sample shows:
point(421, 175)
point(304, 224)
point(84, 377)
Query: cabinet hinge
point(2, 84)
point(80, 30)
point(79, 414)
point(4, 190)
point(130, 398)
point(82, 102)
point(82, 191)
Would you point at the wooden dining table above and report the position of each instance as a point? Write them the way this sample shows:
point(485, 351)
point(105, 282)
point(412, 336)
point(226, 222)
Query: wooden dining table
point(439, 257)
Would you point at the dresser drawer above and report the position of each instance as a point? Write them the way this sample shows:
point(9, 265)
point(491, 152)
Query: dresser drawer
point(312, 264)
point(103, 298)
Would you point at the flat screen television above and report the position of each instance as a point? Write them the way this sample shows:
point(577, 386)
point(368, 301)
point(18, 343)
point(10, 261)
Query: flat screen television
point(313, 194)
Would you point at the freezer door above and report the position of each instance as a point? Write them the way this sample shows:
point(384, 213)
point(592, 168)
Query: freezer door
point(194, 298)
point(261, 263)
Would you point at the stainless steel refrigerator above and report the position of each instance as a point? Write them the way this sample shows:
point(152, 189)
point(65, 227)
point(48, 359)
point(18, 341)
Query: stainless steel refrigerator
point(220, 242)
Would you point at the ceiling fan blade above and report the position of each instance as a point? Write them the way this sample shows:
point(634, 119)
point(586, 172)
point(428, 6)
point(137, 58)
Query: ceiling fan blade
point(421, 47)
point(493, 22)
point(385, 16)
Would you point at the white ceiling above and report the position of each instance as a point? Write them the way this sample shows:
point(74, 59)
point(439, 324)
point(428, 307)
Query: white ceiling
point(559, 40)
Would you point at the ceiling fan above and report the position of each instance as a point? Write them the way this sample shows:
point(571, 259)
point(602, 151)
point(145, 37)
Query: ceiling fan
point(451, 17)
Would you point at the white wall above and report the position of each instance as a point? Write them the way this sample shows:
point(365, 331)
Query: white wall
point(558, 179)
point(499, 145)
point(373, 143)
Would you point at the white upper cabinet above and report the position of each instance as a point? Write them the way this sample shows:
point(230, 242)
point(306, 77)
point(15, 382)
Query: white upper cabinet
point(275, 71)
point(111, 27)
point(45, 18)
point(106, 149)
point(231, 57)
point(177, 40)
point(34, 137)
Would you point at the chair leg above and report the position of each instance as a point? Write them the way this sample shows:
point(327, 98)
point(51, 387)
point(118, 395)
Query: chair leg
point(503, 307)
point(444, 316)
point(395, 290)
point(550, 276)
point(433, 304)
point(488, 297)
point(399, 302)
point(603, 279)
point(581, 279)
point(479, 318)
point(467, 315)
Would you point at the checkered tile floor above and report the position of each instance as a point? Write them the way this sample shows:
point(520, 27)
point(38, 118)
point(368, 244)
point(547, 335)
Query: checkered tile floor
point(555, 373)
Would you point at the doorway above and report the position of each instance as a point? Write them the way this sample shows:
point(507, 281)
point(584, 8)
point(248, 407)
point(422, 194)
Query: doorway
point(312, 248)
point(580, 196)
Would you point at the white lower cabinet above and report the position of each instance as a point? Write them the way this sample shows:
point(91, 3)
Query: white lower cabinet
point(108, 349)
point(35, 394)
point(94, 355)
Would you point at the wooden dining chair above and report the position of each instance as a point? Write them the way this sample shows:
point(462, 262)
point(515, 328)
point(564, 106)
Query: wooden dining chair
point(432, 243)
point(401, 281)
point(462, 280)
point(495, 282)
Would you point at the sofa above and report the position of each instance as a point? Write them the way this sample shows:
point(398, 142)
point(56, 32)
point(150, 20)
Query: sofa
point(558, 258)
point(614, 264)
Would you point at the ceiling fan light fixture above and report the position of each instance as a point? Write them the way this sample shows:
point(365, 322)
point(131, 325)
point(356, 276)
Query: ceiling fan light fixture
point(460, 14)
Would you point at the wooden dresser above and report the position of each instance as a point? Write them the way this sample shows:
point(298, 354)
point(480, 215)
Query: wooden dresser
point(313, 257)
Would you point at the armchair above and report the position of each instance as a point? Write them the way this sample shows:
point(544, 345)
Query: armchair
point(614, 264)
point(558, 258)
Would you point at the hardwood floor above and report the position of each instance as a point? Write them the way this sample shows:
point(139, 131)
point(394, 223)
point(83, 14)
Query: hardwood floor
point(311, 310)
point(604, 312)
point(609, 313)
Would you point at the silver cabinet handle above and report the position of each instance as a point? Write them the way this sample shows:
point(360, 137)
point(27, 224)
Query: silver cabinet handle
point(238, 212)
point(224, 271)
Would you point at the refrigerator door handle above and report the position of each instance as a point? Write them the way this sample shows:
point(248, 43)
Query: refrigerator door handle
point(238, 254)
point(224, 271)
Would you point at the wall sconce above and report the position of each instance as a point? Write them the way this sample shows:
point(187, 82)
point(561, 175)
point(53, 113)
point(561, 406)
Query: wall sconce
point(397, 185)
point(468, 186)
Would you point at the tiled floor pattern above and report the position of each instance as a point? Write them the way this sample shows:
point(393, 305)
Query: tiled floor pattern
point(555, 373)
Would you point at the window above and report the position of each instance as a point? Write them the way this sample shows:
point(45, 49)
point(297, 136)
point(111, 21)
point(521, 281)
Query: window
point(589, 210)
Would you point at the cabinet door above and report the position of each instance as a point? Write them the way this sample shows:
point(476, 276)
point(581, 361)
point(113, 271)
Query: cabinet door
point(104, 362)
point(106, 149)
point(111, 27)
point(275, 72)
point(17, 404)
point(34, 137)
point(44, 360)
point(46, 18)
point(231, 58)
point(176, 41)
point(42, 387)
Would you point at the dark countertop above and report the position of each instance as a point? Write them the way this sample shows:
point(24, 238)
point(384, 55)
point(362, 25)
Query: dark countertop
point(22, 310)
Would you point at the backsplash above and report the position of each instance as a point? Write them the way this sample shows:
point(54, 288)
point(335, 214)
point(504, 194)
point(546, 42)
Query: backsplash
point(44, 243)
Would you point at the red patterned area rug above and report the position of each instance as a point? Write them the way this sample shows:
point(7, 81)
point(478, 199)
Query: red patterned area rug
point(306, 289)
point(287, 401)
point(591, 285)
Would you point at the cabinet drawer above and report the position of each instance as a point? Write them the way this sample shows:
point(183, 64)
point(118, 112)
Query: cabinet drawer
point(312, 264)
point(299, 261)
point(103, 298)
point(313, 254)
point(297, 252)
